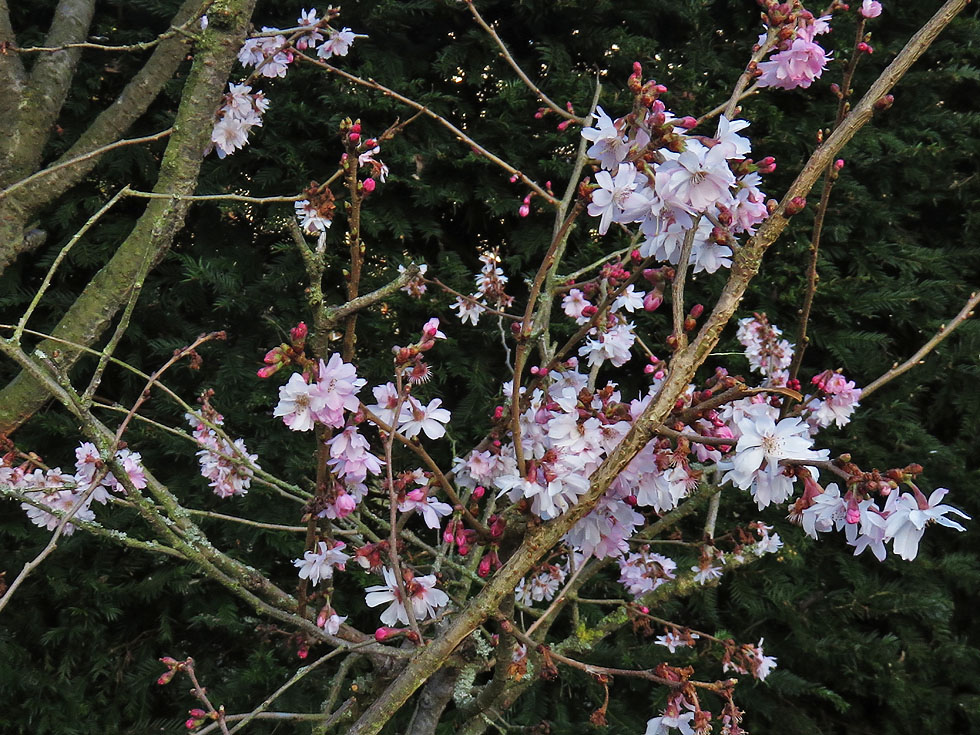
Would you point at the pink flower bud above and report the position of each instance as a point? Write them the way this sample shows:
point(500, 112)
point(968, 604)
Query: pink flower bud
point(196, 712)
point(479, 491)
point(870, 9)
point(484, 568)
point(697, 310)
point(652, 301)
point(645, 610)
point(354, 137)
point(513, 178)
point(885, 102)
point(688, 122)
point(303, 651)
point(865, 48)
point(344, 505)
point(648, 369)
point(383, 634)
point(166, 677)
point(267, 371)
point(524, 210)
point(563, 125)
point(839, 164)
point(369, 185)
point(767, 165)
point(449, 532)
point(498, 413)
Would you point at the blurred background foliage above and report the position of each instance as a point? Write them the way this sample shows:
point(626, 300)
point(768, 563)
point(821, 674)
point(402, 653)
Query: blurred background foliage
point(862, 647)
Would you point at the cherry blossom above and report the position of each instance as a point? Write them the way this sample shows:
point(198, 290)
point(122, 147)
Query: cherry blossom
point(429, 508)
point(319, 564)
point(609, 146)
point(797, 66)
point(426, 598)
point(430, 419)
point(616, 199)
point(909, 517)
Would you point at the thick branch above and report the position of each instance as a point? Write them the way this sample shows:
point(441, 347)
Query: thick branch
point(109, 290)
point(107, 128)
point(46, 90)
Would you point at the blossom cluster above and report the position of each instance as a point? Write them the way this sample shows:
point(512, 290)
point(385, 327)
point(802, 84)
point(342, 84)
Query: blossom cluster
point(490, 290)
point(271, 53)
point(53, 493)
point(227, 465)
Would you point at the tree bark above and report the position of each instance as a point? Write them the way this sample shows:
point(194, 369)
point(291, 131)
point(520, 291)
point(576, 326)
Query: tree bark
point(153, 234)
point(19, 208)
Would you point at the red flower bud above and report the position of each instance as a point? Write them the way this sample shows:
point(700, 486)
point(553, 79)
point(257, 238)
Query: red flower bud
point(298, 333)
point(383, 634)
point(369, 185)
point(795, 206)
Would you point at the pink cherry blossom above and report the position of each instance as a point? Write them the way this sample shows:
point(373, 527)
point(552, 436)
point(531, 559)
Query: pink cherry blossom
point(798, 66)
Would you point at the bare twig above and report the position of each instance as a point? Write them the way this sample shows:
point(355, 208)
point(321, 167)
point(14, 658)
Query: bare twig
point(300, 673)
point(830, 177)
point(460, 135)
point(944, 331)
point(517, 69)
point(85, 157)
point(677, 289)
point(52, 542)
point(22, 323)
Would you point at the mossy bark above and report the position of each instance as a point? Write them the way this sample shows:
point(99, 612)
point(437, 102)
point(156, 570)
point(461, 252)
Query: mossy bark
point(154, 232)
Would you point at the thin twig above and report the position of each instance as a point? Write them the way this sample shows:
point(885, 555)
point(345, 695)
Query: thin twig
point(406, 601)
point(141, 46)
point(677, 289)
point(300, 673)
point(201, 693)
point(944, 331)
point(22, 323)
point(52, 542)
point(84, 157)
point(217, 197)
point(830, 177)
point(460, 135)
point(520, 72)
point(120, 330)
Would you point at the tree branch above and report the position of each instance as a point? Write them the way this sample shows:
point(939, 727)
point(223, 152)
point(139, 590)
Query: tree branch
point(109, 290)
point(683, 365)
point(944, 331)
